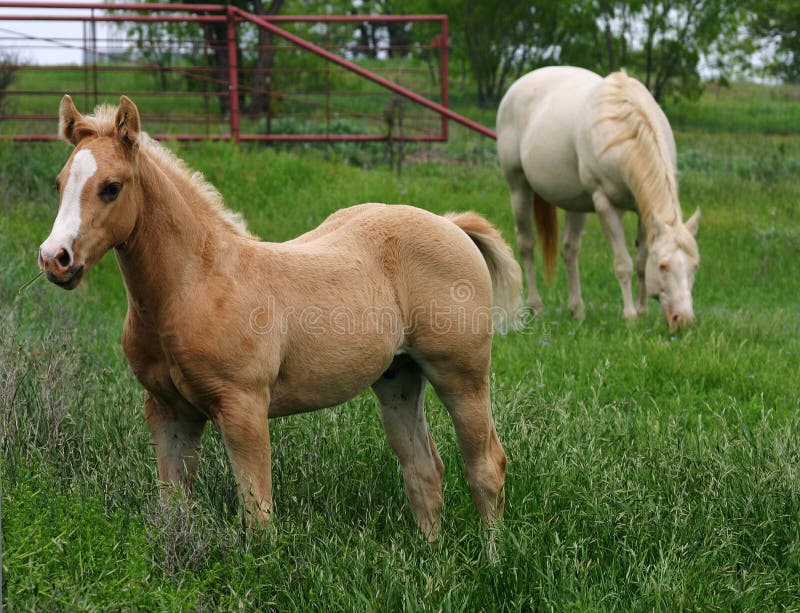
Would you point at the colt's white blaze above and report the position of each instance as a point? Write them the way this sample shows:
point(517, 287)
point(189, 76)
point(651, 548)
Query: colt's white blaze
point(68, 221)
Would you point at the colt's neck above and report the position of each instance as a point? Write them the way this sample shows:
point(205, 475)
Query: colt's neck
point(173, 244)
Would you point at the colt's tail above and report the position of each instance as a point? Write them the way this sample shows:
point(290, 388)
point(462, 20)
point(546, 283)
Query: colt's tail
point(505, 271)
point(546, 219)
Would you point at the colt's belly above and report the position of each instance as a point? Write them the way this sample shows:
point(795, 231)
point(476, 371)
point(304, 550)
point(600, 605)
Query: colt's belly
point(304, 386)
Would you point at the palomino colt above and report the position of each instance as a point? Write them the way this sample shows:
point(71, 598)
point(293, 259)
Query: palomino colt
point(223, 327)
point(569, 138)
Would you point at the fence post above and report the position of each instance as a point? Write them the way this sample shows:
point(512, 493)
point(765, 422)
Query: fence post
point(233, 75)
point(444, 77)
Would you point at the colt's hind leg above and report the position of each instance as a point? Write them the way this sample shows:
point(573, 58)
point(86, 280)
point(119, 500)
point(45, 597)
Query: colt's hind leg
point(401, 393)
point(522, 207)
point(641, 264)
point(176, 432)
point(573, 227)
point(244, 427)
point(468, 401)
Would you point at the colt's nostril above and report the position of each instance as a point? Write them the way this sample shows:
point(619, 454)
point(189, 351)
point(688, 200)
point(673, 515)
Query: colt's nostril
point(63, 258)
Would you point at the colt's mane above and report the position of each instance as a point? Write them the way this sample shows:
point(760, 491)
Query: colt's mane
point(648, 166)
point(101, 123)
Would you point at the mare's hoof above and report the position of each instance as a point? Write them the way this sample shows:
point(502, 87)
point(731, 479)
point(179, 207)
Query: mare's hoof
point(536, 307)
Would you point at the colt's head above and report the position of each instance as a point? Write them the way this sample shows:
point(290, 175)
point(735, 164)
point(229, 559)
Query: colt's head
point(97, 209)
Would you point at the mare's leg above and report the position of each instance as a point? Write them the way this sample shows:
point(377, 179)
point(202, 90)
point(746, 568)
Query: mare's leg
point(641, 263)
point(401, 393)
point(242, 421)
point(176, 432)
point(573, 227)
point(611, 222)
point(522, 207)
point(463, 387)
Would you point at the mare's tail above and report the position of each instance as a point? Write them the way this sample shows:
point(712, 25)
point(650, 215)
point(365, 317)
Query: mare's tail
point(506, 275)
point(546, 219)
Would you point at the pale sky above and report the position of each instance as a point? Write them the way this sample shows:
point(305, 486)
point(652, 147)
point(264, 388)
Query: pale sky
point(46, 42)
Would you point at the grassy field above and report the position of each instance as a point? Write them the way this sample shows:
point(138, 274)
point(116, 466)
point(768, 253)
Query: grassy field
point(646, 471)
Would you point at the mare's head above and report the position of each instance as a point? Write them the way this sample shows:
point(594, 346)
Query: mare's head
point(672, 261)
point(97, 200)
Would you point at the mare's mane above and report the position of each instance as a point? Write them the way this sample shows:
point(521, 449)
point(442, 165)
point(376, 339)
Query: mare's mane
point(649, 167)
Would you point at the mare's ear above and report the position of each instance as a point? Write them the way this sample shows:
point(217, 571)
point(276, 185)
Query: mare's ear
point(693, 222)
point(68, 116)
point(127, 123)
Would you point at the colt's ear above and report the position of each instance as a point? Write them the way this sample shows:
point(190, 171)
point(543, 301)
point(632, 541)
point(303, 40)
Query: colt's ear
point(68, 116)
point(693, 222)
point(127, 123)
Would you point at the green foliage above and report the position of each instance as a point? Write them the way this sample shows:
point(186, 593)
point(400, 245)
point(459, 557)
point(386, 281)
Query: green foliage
point(646, 471)
point(501, 40)
point(661, 42)
point(664, 42)
point(165, 45)
point(777, 23)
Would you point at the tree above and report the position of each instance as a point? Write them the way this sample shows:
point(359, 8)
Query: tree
point(369, 34)
point(777, 24)
point(159, 43)
point(265, 58)
point(500, 40)
point(664, 42)
point(216, 37)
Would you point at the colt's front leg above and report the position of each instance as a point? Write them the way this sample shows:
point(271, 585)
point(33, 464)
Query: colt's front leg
point(176, 432)
point(244, 427)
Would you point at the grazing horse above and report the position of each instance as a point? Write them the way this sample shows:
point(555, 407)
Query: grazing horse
point(226, 328)
point(571, 139)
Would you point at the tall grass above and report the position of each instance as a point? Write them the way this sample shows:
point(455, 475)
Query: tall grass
point(646, 471)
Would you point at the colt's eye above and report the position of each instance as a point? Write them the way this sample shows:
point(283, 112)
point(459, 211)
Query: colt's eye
point(110, 191)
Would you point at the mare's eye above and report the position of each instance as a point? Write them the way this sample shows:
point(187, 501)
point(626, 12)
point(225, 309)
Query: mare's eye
point(110, 191)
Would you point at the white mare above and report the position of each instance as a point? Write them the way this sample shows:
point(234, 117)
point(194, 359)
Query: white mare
point(571, 139)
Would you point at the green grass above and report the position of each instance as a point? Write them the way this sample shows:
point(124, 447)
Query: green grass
point(744, 107)
point(646, 471)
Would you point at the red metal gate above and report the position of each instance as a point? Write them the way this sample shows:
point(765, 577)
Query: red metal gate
point(216, 72)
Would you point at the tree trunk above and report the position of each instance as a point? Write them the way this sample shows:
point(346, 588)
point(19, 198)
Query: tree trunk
point(261, 100)
point(216, 37)
point(612, 64)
